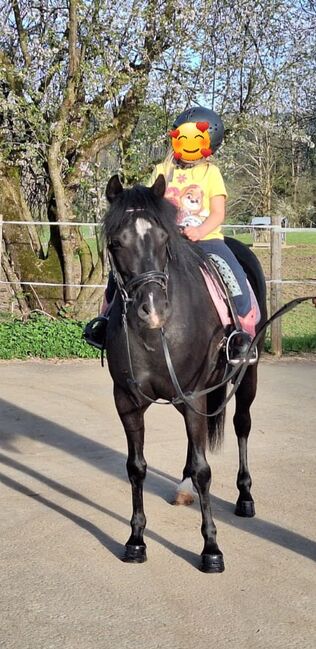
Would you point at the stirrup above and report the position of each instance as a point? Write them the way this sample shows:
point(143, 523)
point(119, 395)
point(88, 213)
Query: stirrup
point(94, 332)
point(251, 358)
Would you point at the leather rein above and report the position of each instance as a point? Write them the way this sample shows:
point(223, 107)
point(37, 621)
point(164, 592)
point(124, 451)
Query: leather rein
point(126, 289)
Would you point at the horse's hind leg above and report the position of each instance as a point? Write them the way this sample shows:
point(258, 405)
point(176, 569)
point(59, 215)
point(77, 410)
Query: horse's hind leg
point(185, 489)
point(242, 421)
point(196, 425)
point(133, 422)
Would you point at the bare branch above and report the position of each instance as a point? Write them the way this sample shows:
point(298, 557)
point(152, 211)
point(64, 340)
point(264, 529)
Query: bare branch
point(23, 37)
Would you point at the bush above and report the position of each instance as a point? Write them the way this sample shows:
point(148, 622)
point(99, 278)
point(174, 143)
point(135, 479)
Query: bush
point(44, 337)
point(295, 344)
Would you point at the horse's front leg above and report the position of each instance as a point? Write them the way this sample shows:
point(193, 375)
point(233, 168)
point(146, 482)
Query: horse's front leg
point(200, 471)
point(132, 419)
point(245, 395)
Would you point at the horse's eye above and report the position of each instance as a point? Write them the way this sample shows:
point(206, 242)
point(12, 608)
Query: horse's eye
point(115, 243)
point(163, 236)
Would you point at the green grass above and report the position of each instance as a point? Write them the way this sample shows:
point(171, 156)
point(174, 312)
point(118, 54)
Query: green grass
point(291, 238)
point(301, 238)
point(298, 330)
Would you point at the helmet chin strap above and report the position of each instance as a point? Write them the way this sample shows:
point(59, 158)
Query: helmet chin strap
point(188, 164)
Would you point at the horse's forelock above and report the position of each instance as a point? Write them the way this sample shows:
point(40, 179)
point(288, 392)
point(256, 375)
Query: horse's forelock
point(137, 200)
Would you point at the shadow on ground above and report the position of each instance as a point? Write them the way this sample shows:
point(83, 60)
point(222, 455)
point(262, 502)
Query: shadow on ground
point(20, 423)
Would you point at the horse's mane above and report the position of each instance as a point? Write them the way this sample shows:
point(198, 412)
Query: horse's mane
point(130, 203)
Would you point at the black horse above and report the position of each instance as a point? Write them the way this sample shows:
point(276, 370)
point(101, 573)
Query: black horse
point(162, 307)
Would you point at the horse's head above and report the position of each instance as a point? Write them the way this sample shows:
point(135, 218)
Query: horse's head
point(138, 247)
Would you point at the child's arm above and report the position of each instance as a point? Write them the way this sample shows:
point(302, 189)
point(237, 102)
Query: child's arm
point(215, 218)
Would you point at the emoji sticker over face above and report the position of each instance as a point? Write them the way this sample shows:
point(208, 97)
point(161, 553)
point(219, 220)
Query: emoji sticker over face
point(191, 141)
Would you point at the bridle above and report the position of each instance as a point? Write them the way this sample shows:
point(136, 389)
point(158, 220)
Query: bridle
point(150, 276)
point(127, 289)
point(127, 292)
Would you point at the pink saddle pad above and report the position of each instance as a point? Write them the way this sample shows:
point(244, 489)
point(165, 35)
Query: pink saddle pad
point(248, 322)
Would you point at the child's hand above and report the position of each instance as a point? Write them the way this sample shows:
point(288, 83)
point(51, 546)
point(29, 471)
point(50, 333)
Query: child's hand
point(192, 233)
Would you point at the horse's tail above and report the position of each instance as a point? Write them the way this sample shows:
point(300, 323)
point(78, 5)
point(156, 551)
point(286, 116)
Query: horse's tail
point(216, 424)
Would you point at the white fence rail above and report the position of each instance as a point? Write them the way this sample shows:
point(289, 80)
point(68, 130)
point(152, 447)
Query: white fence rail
point(249, 228)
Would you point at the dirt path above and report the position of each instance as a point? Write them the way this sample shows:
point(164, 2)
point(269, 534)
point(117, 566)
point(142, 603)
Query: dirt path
point(65, 510)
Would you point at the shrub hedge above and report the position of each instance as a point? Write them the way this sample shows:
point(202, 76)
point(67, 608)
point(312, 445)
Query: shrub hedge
point(44, 337)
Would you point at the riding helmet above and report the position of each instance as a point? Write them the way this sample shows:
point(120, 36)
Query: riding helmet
point(201, 114)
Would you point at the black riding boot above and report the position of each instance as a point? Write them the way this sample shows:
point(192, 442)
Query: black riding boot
point(95, 332)
point(238, 344)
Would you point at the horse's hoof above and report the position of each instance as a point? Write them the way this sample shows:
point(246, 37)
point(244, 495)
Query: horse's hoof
point(245, 508)
point(212, 563)
point(183, 499)
point(135, 554)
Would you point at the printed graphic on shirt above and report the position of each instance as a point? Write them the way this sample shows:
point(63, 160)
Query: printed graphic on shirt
point(172, 194)
point(191, 207)
point(190, 204)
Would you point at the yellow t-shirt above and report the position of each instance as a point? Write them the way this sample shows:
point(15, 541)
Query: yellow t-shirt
point(191, 190)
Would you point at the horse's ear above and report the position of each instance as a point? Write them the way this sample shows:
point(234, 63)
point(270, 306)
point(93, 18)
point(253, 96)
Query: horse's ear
point(159, 186)
point(113, 188)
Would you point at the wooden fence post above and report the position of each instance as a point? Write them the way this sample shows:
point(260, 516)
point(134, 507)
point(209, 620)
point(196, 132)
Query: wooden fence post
point(276, 284)
point(1, 221)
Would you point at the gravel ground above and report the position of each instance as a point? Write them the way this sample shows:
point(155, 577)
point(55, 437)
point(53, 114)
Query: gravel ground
point(65, 510)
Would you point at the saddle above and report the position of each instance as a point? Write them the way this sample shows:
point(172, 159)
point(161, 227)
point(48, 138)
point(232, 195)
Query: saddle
point(239, 331)
point(225, 307)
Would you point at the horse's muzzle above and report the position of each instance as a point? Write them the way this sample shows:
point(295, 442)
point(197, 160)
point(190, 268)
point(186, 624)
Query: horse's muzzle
point(153, 313)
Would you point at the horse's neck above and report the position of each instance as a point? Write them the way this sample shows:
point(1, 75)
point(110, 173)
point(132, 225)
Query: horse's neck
point(191, 299)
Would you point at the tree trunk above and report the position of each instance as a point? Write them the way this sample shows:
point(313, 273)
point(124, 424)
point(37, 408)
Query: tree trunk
point(67, 244)
point(24, 251)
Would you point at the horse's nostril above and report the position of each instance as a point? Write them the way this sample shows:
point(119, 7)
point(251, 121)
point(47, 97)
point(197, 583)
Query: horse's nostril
point(145, 308)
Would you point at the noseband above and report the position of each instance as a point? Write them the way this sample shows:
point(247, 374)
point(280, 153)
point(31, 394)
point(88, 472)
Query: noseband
point(150, 276)
point(128, 289)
